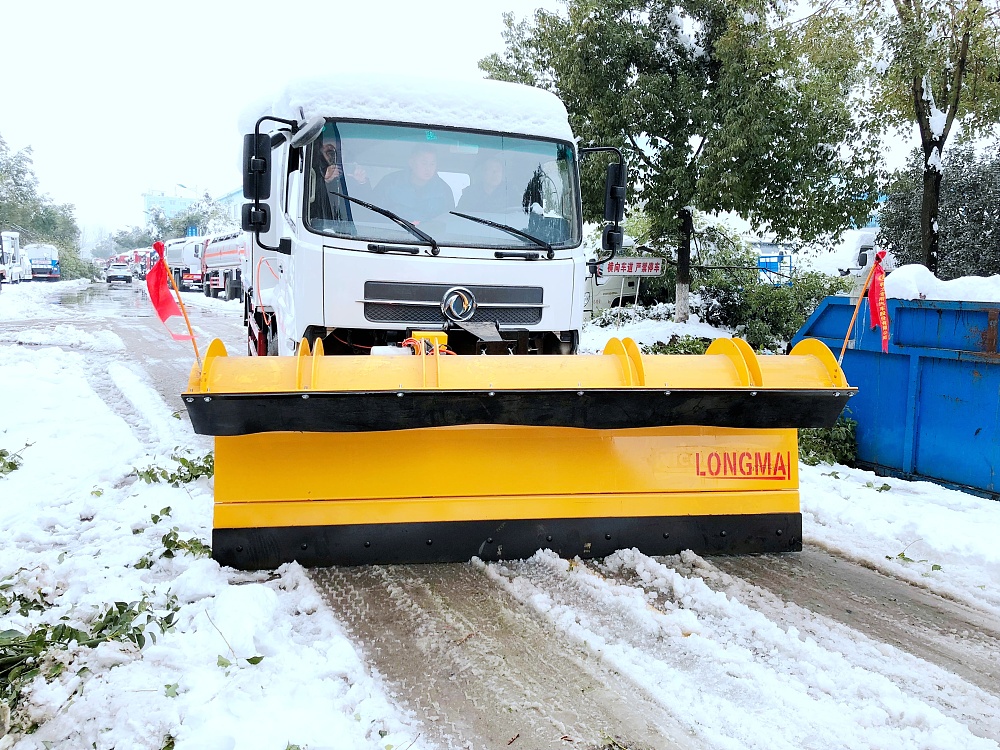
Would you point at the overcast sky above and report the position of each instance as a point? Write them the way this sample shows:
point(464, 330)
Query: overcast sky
point(119, 98)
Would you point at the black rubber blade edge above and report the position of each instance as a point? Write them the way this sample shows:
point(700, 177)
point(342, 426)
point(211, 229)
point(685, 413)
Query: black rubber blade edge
point(459, 541)
point(247, 413)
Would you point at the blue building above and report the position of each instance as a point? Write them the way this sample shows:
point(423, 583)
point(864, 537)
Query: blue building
point(171, 205)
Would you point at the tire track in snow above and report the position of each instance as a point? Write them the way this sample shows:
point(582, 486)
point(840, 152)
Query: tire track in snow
point(480, 669)
point(730, 674)
point(961, 640)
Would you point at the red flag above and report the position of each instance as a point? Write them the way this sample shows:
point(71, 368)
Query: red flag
point(159, 292)
point(876, 300)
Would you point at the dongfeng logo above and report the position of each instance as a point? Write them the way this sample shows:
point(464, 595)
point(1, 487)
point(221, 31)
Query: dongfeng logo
point(458, 304)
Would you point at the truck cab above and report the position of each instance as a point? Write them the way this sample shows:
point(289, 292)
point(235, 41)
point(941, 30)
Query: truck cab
point(457, 209)
point(44, 261)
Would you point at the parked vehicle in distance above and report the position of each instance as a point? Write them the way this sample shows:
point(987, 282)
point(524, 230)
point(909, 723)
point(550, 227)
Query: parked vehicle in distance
point(863, 257)
point(183, 257)
point(221, 264)
point(44, 261)
point(12, 260)
point(118, 272)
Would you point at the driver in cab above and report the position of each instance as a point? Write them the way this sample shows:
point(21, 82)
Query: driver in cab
point(417, 193)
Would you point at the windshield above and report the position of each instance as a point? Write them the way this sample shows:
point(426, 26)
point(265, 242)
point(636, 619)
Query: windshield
point(428, 177)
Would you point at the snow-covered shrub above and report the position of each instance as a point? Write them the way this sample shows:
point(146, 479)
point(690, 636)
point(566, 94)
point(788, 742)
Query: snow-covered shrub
point(678, 345)
point(615, 317)
point(766, 316)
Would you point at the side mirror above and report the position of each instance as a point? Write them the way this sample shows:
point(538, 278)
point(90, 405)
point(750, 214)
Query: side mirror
point(257, 166)
point(256, 218)
point(612, 238)
point(307, 132)
point(614, 193)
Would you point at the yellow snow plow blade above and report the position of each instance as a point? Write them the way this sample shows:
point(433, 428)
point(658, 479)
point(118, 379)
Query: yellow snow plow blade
point(368, 459)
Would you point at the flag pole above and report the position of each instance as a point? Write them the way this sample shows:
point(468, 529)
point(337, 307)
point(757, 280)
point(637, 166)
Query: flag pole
point(180, 303)
point(857, 307)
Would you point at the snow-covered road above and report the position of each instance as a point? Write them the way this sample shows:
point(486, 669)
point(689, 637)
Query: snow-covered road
point(884, 633)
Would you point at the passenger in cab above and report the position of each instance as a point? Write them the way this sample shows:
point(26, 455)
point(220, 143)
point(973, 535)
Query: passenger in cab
point(417, 193)
point(355, 185)
point(488, 192)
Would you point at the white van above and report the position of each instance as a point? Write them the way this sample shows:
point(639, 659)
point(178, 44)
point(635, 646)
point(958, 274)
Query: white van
point(602, 293)
point(863, 257)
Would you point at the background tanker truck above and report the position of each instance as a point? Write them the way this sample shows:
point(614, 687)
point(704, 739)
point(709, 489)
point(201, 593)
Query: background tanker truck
point(222, 263)
point(391, 247)
point(183, 257)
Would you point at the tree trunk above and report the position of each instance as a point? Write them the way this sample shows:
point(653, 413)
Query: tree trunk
point(682, 308)
point(929, 206)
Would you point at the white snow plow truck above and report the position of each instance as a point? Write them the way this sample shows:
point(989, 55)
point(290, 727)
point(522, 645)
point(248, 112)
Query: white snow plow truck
point(416, 269)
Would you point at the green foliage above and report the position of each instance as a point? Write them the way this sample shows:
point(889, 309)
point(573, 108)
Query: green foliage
point(968, 222)
point(23, 602)
point(880, 488)
point(225, 663)
point(24, 209)
point(829, 445)
point(678, 345)
point(934, 64)
point(767, 316)
point(206, 215)
point(11, 461)
point(902, 557)
point(615, 317)
point(743, 114)
point(23, 656)
point(949, 48)
point(189, 469)
point(172, 546)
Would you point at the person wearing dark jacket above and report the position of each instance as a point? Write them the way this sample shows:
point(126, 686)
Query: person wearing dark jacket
point(488, 192)
point(418, 193)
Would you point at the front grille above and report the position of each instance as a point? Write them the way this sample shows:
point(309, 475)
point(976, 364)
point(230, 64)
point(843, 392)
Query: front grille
point(387, 302)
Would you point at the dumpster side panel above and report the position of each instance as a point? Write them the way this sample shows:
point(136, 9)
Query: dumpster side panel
point(930, 406)
point(957, 422)
point(880, 406)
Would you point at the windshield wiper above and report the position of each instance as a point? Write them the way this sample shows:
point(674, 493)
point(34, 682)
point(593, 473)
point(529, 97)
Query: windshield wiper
point(407, 225)
point(550, 254)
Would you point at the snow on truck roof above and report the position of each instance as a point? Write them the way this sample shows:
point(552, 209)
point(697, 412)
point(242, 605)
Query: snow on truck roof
point(476, 104)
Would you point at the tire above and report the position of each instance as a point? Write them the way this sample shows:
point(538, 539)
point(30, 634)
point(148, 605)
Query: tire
point(206, 287)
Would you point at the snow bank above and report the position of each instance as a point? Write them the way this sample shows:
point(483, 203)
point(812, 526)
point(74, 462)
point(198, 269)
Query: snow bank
point(645, 326)
point(916, 282)
point(483, 105)
point(77, 524)
point(33, 299)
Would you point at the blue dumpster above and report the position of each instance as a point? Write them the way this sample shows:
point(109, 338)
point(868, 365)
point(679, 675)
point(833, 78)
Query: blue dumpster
point(930, 407)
